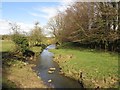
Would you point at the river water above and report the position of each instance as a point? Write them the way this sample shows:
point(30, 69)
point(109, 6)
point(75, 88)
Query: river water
point(58, 80)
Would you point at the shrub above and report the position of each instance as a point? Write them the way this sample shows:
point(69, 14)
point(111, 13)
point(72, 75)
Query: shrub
point(21, 42)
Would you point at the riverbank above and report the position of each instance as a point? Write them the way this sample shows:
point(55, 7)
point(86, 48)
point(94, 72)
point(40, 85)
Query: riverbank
point(93, 68)
point(16, 71)
point(21, 75)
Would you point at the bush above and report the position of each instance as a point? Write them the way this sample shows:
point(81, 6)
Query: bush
point(21, 42)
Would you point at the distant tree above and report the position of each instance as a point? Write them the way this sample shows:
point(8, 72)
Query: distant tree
point(36, 35)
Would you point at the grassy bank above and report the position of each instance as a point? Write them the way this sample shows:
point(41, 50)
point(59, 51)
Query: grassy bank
point(16, 73)
point(93, 68)
point(7, 45)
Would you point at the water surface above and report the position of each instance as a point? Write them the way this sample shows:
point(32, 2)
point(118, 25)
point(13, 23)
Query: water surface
point(58, 80)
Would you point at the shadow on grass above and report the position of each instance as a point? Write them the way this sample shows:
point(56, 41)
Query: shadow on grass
point(70, 46)
point(8, 58)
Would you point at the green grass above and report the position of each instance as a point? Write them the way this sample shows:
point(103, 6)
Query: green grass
point(94, 64)
point(7, 45)
point(104, 62)
point(36, 49)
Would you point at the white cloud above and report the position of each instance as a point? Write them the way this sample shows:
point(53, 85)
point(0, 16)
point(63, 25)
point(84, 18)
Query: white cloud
point(47, 12)
point(34, 14)
point(5, 27)
point(44, 12)
point(25, 26)
point(67, 2)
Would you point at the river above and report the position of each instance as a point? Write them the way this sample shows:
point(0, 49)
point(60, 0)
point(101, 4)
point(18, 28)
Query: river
point(57, 80)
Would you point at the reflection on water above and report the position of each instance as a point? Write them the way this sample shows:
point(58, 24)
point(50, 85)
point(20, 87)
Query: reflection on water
point(58, 81)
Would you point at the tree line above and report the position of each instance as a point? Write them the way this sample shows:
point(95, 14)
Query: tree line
point(89, 24)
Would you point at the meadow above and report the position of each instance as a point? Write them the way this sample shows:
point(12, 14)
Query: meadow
point(98, 68)
point(6, 45)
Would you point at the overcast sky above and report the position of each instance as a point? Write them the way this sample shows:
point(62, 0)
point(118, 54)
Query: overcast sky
point(26, 13)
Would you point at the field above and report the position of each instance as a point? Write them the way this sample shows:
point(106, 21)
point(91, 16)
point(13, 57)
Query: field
point(98, 68)
point(6, 45)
